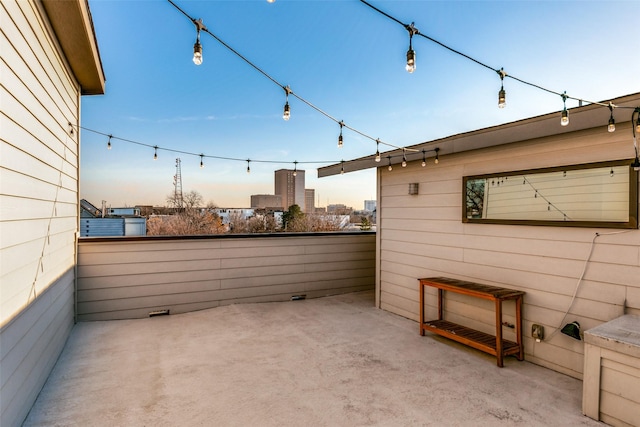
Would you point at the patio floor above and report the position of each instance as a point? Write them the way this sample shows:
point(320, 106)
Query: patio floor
point(334, 361)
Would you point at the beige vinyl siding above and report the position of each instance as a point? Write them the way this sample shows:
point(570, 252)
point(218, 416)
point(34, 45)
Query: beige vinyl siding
point(128, 278)
point(423, 235)
point(38, 204)
point(39, 169)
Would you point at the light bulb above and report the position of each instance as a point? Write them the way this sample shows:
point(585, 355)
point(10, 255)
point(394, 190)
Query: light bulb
point(342, 168)
point(636, 164)
point(286, 115)
point(295, 172)
point(502, 98)
point(612, 124)
point(390, 167)
point(564, 120)
point(155, 153)
point(377, 156)
point(340, 141)
point(424, 163)
point(109, 143)
point(197, 53)
point(271, 1)
point(404, 162)
point(411, 61)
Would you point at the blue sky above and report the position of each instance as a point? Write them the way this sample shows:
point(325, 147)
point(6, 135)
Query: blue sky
point(344, 58)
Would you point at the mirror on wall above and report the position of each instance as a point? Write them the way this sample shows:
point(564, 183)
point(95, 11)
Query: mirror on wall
point(601, 194)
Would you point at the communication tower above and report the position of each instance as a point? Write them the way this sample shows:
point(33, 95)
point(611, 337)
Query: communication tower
point(177, 184)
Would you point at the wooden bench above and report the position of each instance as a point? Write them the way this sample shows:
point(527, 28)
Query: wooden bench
point(488, 343)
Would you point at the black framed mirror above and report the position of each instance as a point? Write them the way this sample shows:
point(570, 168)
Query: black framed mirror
point(603, 194)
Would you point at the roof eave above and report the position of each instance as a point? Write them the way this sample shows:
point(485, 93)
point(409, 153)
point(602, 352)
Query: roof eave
point(71, 21)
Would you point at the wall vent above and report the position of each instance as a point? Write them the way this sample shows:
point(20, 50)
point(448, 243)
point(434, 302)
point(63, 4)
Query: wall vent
point(413, 188)
point(158, 313)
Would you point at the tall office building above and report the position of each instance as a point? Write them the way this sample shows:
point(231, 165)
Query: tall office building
point(309, 200)
point(290, 187)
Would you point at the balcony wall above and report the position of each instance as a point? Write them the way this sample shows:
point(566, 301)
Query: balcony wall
point(130, 277)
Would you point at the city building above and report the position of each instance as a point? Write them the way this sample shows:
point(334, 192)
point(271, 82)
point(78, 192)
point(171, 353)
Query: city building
point(104, 222)
point(370, 205)
point(309, 200)
point(289, 184)
point(266, 201)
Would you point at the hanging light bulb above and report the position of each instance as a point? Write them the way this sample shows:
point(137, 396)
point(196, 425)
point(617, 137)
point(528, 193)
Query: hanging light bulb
point(340, 136)
point(437, 160)
point(502, 95)
point(109, 142)
point(286, 115)
point(424, 158)
point(342, 168)
point(201, 161)
point(155, 152)
point(390, 167)
point(295, 168)
point(411, 54)
point(197, 47)
point(248, 167)
point(612, 123)
point(197, 52)
point(377, 151)
point(404, 159)
point(564, 118)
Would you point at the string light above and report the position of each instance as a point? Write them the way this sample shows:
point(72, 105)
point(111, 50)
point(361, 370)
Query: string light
point(248, 166)
point(109, 142)
point(413, 31)
point(437, 160)
point(155, 152)
point(286, 115)
point(295, 168)
point(564, 118)
point(612, 123)
point(390, 167)
point(502, 95)
point(404, 159)
point(201, 161)
point(377, 151)
point(424, 158)
point(197, 47)
point(340, 142)
point(342, 167)
point(156, 147)
point(287, 89)
point(411, 54)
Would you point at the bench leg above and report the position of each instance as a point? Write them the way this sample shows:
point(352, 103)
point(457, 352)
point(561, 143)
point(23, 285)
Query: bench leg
point(519, 328)
point(421, 309)
point(499, 332)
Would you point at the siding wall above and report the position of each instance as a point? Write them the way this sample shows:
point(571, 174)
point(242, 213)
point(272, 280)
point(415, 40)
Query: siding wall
point(423, 235)
point(38, 204)
point(122, 278)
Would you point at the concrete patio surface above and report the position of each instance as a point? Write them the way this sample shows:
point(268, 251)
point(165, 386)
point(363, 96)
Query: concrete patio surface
point(334, 361)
